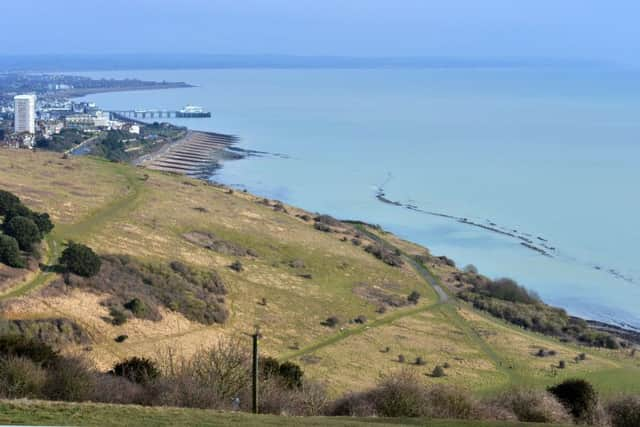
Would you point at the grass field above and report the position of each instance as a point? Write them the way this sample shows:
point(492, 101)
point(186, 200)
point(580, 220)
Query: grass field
point(118, 209)
point(62, 414)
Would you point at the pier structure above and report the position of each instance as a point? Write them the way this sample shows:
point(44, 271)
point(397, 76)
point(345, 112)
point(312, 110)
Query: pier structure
point(156, 113)
point(197, 154)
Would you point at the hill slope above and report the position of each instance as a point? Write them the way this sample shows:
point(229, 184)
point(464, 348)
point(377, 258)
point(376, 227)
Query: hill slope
point(290, 275)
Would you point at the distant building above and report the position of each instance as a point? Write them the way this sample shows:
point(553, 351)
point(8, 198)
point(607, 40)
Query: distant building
point(135, 129)
point(24, 113)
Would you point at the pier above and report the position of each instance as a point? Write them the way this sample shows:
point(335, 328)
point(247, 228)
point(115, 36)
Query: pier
point(197, 154)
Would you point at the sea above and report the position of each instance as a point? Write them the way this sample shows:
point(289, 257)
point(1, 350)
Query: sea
point(530, 173)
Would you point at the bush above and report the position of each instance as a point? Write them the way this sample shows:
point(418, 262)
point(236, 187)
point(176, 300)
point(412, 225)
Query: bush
point(420, 361)
point(414, 297)
point(438, 372)
point(236, 266)
point(579, 397)
point(353, 405)
point(331, 322)
point(450, 402)
point(43, 222)
point(384, 254)
point(137, 307)
point(81, 260)
point(21, 378)
point(400, 395)
point(24, 230)
point(322, 227)
point(7, 202)
point(20, 346)
point(10, 252)
point(625, 412)
point(118, 317)
point(138, 370)
point(70, 379)
point(509, 290)
point(121, 338)
point(289, 373)
point(533, 406)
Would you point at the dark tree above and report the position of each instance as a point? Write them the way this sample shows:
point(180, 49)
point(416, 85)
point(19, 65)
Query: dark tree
point(7, 201)
point(24, 230)
point(81, 260)
point(43, 221)
point(10, 252)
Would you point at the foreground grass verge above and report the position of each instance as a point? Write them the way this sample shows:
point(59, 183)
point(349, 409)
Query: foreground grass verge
point(88, 414)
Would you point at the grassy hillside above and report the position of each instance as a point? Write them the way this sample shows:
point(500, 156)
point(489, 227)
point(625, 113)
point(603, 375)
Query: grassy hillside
point(35, 413)
point(304, 274)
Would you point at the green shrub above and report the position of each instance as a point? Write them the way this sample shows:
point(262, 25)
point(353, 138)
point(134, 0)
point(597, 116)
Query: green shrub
point(291, 374)
point(578, 396)
point(43, 222)
point(34, 350)
point(438, 372)
point(414, 297)
point(118, 317)
point(137, 369)
point(10, 252)
point(81, 260)
point(236, 266)
point(137, 307)
point(24, 230)
point(21, 378)
point(625, 412)
point(7, 201)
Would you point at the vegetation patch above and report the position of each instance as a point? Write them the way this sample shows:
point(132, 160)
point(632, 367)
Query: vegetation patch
point(505, 299)
point(56, 332)
point(138, 289)
point(210, 241)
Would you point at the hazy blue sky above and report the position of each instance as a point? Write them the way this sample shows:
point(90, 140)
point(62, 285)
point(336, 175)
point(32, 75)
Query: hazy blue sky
point(590, 29)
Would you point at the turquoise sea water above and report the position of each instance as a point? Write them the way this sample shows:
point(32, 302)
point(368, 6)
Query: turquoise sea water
point(550, 153)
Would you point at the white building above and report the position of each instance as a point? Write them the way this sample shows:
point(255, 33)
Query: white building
point(25, 113)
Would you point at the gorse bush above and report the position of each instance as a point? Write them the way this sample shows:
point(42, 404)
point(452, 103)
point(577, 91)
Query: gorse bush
point(579, 397)
point(137, 369)
point(81, 260)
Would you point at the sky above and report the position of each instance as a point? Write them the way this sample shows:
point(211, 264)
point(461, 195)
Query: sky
point(575, 29)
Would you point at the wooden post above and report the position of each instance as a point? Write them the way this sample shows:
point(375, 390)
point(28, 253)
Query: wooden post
point(254, 402)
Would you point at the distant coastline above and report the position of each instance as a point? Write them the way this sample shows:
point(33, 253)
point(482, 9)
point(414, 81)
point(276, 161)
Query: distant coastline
point(80, 92)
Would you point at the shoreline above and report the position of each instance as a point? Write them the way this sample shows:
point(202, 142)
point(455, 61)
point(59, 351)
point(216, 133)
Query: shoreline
point(203, 165)
point(78, 93)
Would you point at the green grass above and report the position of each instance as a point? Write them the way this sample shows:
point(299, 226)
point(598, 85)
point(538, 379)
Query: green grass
point(69, 414)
